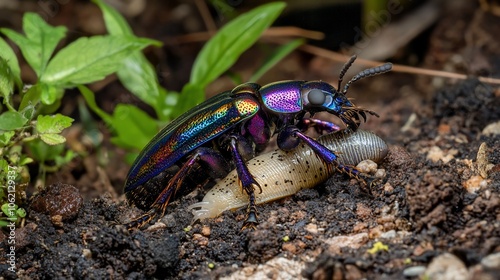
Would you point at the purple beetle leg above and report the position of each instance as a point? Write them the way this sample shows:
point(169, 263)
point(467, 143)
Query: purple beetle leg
point(291, 135)
point(218, 168)
point(246, 181)
point(320, 126)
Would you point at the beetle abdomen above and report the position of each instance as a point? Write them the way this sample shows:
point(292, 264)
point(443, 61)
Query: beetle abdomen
point(281, 173)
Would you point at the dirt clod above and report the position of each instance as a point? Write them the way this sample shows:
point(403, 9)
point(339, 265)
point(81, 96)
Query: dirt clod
point(58, 200)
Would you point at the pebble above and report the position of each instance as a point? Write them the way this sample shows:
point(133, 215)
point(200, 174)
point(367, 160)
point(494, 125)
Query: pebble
point(491, 261)
point(367, 166)
point(205, 231)
point(446, 266)
point(474, 183)
point(388, 235)
point(276, 268)
point(492, 129)
point(312, 228)
point(414, 271)
point(435, 154)
point(352, 241)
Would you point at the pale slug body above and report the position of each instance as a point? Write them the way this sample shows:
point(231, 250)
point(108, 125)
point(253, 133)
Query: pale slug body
point(282, 173)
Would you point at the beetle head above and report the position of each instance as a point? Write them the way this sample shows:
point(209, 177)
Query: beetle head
point(319, 96)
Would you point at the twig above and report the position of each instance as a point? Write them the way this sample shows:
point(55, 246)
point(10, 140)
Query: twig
point(205, 14)
point(335, 56)
point(272, 32)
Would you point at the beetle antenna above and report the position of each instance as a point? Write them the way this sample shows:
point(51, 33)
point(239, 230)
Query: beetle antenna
point(346, 67)
point(386, 67)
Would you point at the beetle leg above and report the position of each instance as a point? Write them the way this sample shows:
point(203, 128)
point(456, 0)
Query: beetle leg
point(320, 126)
point(246, 181)
point(292, 134)
point(218, 169)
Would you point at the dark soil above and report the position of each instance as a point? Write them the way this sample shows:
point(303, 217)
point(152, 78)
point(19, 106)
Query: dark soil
point(438, 197)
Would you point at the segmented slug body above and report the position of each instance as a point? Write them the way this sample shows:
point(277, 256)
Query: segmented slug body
point(284, 173)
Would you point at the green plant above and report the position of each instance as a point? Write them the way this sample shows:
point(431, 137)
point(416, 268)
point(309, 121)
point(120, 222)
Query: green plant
point(13, 213)
point(29, 129)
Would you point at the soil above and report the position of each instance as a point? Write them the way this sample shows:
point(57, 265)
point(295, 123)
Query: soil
point(438, 205)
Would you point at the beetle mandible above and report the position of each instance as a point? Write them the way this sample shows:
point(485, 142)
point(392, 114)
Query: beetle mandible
point(224, 130)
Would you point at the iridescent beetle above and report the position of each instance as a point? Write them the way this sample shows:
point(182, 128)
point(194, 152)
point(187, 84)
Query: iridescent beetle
point(221, 133)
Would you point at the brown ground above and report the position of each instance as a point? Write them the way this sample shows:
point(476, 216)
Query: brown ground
point(438, 196)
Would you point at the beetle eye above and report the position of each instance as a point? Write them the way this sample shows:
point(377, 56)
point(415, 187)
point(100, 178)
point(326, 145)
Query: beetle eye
point(316, 97)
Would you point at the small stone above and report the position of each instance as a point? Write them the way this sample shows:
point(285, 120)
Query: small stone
point(86, 253)
point(435, 154)
point(367, 166)
point(312, 228)
point(491, 261)
point(352, 241)
point(414, 271)
point(57, 220)
point(289, 247)
point(388, 187)
point(388, 235)
point(483, 165)
point(492, 129)
point(444, 129)
point(205, 231)
point(446, 266)
point(380, 173)
point(474, 184)
point(362, 211)
point(200, 239)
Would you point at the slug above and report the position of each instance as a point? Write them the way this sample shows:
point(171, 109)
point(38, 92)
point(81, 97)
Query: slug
point(284, 173)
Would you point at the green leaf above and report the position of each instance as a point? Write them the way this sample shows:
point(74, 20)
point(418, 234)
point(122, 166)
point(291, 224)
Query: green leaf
point(6, 81)
point(10, 57)
point(90, 99)
point(50, 94)
point(276, 57)
point(139, 77)
point(31, 97)
point(28, 112)
point(43, 152)
point(90, 59)
point(223, 49)
point(62, 160)
point(52, 124)
point(137, 74)
point(39, 43)
point(5, 138)
point(191, 95)
point(52, 138)
point(11, 120)
point(21, 213)
point(134, 128)
point(115, 23)
point(24, 160)
point(8, 211)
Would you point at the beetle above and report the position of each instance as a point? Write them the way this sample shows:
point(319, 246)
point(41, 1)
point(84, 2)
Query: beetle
point(284, 173)
point(225, 130)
